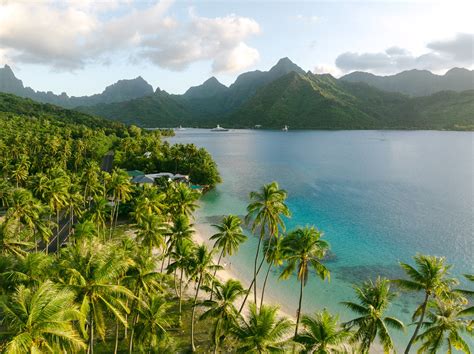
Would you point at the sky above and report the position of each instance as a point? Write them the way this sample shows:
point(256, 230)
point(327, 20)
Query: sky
point(81, 46)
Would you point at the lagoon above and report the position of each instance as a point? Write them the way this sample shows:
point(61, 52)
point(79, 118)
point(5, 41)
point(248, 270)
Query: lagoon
point(379, 196)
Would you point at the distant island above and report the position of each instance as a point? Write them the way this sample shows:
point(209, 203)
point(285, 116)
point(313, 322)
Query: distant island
point(284, 95)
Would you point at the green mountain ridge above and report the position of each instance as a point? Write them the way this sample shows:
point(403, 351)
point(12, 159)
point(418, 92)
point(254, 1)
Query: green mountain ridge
point(417, 82)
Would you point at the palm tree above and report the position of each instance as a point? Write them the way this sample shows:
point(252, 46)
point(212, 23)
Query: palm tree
point(323, 335)
point(152, 327)
point(24, 208)
point(431, 277)
point(181, 229)
point(151, 231)
point(446, 322)
point(203, 268)
point(150, 201)
point(10, 243)
point(229, 237)
point(274, 256)
point(265, 212)
point(92, 270)
point(39, 320)
point(262, 332)
point(222, 310)
point(304, 249)
point(183, 256)
point(183, 199)
point(98, 214)
point(121, 189)
point(374, 300)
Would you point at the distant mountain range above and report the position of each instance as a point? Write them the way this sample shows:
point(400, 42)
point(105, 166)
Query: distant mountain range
point(122, 90)
point(417, 82)
point(284, 95)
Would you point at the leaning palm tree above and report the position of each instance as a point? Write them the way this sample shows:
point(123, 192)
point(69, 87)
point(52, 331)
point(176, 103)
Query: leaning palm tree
point(323, 335)
point(274, 257)
point(446, 322)
point(262, 332)
point(203, 267)
point(152, 328)
point(304, 249)
point(374, 300)
point(222, 309)
point(431, 276)
point(229, 237)
point(265, 212)
point(92, 270)
point(40, 320)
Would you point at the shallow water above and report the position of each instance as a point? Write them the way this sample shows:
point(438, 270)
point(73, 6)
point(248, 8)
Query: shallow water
point(379, 196)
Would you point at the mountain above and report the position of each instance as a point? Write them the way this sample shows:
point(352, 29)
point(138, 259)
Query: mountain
point(210, 88)
point(122, 90)
point(417, 82)
point(15, 105)
point(322, 102)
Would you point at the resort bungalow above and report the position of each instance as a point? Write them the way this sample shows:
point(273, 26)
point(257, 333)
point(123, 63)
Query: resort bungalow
point(139, 177)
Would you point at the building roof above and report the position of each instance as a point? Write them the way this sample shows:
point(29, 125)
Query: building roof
point(135, 173)
point(143, 179)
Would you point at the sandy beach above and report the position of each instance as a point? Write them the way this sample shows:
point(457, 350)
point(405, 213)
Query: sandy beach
point(202, 235)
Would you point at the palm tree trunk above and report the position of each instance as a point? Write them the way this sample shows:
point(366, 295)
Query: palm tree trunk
point(193, 347)
point(255, 273)
point(57, 231)
point(116, 336)
point(117, 213)
point(175, 282)
point(265, 282)
point(90, 350)
point(180, 294)
point(422, 316)
point(298, 314)
point(215, 272)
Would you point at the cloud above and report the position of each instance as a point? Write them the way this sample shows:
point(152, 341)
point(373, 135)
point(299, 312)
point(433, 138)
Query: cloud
point(327, 69)
point(67, 35)
point(442, 55)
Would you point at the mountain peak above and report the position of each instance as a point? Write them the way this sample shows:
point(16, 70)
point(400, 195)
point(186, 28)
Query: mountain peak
point(208, 88)
point(285, 66)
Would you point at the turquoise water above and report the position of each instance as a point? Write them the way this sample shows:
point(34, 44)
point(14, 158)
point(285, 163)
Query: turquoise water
point(379, 196)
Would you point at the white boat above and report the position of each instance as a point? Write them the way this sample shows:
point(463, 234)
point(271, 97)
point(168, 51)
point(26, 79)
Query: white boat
point(180, 128)
point(219, 129)
point(285, 128)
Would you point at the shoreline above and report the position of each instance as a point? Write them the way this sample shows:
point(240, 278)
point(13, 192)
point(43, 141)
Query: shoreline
point(201, 236)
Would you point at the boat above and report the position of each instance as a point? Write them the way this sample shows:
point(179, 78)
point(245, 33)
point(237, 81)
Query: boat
point(180, 128)
point(219, 129)
point(285, 128)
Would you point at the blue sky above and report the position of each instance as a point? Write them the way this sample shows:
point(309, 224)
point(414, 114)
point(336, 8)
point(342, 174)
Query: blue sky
point(80, 46)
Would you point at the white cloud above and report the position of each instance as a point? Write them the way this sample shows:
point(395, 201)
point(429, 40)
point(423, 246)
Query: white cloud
point(68, 35)
point(327, 69)
point(443, 54)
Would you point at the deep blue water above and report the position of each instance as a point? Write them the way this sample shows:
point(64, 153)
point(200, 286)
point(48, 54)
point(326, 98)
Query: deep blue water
point(379, 196)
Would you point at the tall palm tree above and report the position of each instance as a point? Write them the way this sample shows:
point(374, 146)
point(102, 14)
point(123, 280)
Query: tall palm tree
point(203, 267)
point(120, 189)
point(431, 276)
point(222, 309)
point(152, 328)
point(40, 320)
point(182, 255)
point(323, 335)
point(29, 270)
point(181, 229)
point(24, 208)
point(149, 201)
point(92, 271)
point(304, 249)
point(262, 332)
point(274, 256)
point(98, 214)
point(446, 322)
point(374, 300)
point(265, 212)
point(151, 232)
point(229, 238)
